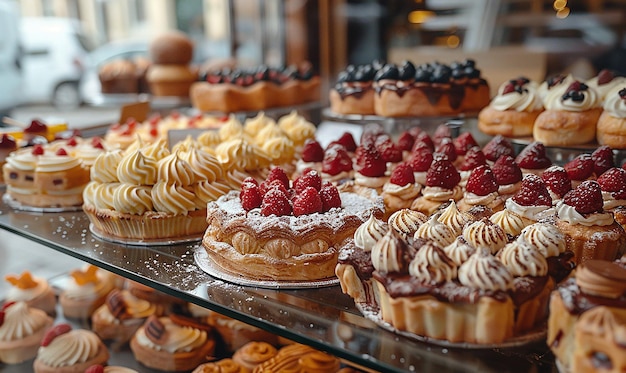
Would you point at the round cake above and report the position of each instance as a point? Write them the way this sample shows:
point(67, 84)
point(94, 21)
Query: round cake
point(260, 234)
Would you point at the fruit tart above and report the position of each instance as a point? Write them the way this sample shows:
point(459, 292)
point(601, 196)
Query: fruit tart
point(508, 176)
point(473, 158)
point(22, 328)
point(557, 182)
point(587, 320)
point(590, 231)
point(442, 185)
point(370, 168)
point(311, 157)
point(283, 231)
point(420, 159)
point(337, 164)
point(513, 111)
point(401, 189)
point(33, 290)
point(481, 189)
point(68, 350)
point(533, 159)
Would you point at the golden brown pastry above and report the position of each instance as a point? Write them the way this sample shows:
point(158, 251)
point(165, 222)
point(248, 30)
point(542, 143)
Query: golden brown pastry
point(612, 123)
point(253, 354)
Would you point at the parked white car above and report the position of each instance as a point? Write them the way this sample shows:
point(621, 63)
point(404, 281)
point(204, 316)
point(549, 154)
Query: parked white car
point(54, 56)
point(10, 57)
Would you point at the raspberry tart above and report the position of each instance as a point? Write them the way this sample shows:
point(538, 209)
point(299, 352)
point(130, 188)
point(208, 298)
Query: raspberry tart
point(481, 189)
point(281, 231)
point(533, 159)
point(497, 147)
point(557, 182)
point(401, 189)
point(508, 176)
point(580, 169)
point(590, 231)
point(442, 185)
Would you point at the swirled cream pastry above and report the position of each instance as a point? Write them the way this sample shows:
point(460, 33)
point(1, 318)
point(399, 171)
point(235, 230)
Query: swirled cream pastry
point(550, 241)
point(437, 231)
point(459, 250)
point(21, 331)
point(571, 115)
point(175, 343)
point(406, 222)
point(454, 218)
point(513, 111)
point(86, 291)
point(33, 290)
point(484, 233)
point(297, 128)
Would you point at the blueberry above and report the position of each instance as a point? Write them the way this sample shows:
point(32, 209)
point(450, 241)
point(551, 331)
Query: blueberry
point(390, 71)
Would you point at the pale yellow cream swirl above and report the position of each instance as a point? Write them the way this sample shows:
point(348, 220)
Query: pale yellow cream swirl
point(297, 128)
point(21, 321)
point(132, 199)
point(104, 169)
point(74, 347)
point(203, 163)
point(546, 237)
point(406, 221)
point(484, 271)
point(370, 232)
point(210, 191)
point(103, 195)
point(157, 150)
point(174, 170)
point(210, 139)
point(522, 259)
point(56, 163)
point(252, 126)
point(23, 160)
point(241, 155)
point(173, 199)
point(614, 104)
point(484, 233)
point(437, 231)
point(267, 133)
point(135, 168)
point(232, 129)
point(454, 218)
point(179, 338)
point(280, 149)
point(431, 265)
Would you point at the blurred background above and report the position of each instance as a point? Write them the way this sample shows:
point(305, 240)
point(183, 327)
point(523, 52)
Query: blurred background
point(50, 50)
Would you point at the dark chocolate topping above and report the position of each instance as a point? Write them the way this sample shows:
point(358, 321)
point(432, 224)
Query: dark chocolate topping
point(154, 329)
point(359, 259)
point(390, 72)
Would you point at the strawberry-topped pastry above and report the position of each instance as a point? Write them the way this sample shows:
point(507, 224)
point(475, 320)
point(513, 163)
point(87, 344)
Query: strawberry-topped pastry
point(401, 189)
point(311, 157)
point(370, 168)
point(442, 185)
point(389, 151)
point(613, 186)
point(557, 182)
point(580, 169)
point(474, 157)
point(481, 190)
point(497, 147)
point(67, 350)
point(531, 203)
point(533, 159)
point(603, 160)
point(282, 230)
point(447, 149)
point(420, 159)
point(462, 144)
point(590, 231)
point(441, 132)
point(406, 140)
point(508, 176)
point(336, 164)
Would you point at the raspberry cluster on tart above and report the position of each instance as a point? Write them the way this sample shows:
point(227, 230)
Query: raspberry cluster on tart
point(279, 230)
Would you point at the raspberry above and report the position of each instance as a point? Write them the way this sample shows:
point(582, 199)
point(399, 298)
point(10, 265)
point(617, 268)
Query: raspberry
point(446, 148)
point(278, 173)
point(276, 203)
point(61, 152)
point(56, 331)
point(614, 181)
point(580, 168)
point(307, 202)
point(389, 151)
point(369, 162)
point(423, 137)
point(481, 181)
point(250, 179)
point(312, 152)
point(402, 175)
point(347, 141)
point(250, 196)
point(308, 179)
point(96, 142)
point(474, 157)
point(95, 369)
point(506, 171)
point(586, 199)
point(464, 142)
point(602, 160)
point(533, 192)
point(38, 149)
point(421, 162)
point(533, 157)
point(442, 132)
point(508, 88)
point(336, 160)
point(36, 126)
point(442, 174)
point(556, 180)
point(406, 141)
point(330, 197)
point(497, 147)
point(72, 142)
point(415, 131)
point(267, 185)
point(370, 134)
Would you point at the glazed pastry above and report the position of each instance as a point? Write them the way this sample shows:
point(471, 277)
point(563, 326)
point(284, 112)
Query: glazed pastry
point(299, 358)
point(591, 232)
point(121, 315)
point(252, 354)
point(611, 129)
point(401, 189)
point(174, 343)
point(353, 93)
point(22, 329)
point(85, 292)
point(442, 184)
point(481, 189)
point(533, 159)
point(570, 117)
point(35, 291)
point(66, 351)
point(587, 319)
point(512, 113)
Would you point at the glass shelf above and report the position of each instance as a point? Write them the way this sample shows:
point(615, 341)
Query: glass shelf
point(322, 318)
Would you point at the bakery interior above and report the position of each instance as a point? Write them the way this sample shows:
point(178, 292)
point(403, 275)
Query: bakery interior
point(59, 49)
